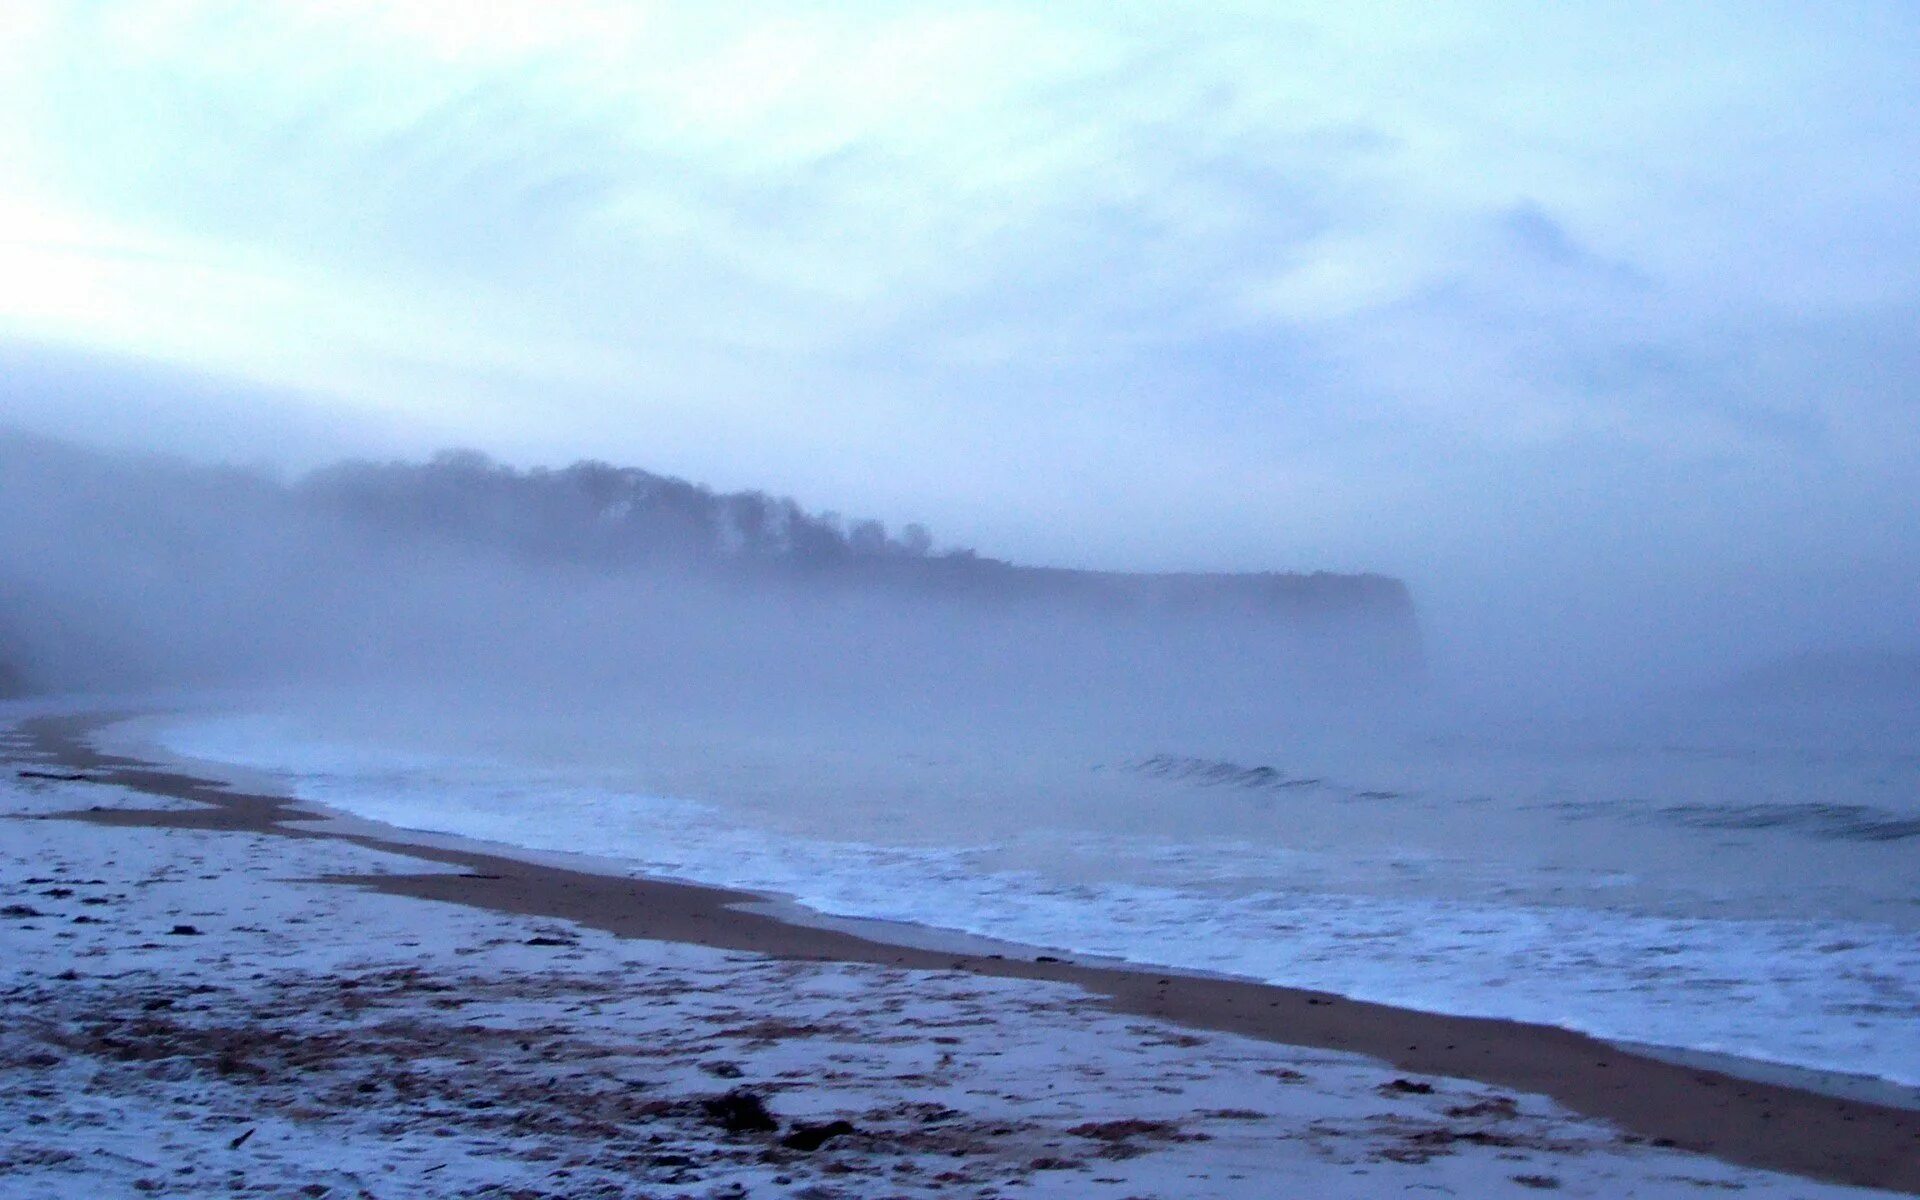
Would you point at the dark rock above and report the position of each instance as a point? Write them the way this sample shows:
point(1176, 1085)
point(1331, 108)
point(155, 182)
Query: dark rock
point(1405, 1087)
point(184, 931)
point(739, 1111)
point(808, 1137)
point(21, 911)
point(550, 941)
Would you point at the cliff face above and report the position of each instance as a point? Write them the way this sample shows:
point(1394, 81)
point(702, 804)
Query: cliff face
point(1367, 618)
point(1318, 597)
point(1345, 622)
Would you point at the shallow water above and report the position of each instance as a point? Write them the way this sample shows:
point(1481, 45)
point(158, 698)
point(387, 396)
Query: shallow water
point(1741, 897)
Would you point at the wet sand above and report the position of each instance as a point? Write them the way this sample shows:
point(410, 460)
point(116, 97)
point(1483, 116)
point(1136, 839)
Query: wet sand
point(1753, 1124)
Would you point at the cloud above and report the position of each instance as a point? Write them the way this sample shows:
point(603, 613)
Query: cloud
point(1228, 285)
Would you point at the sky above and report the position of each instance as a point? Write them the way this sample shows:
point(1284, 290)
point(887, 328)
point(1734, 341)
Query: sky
point(1612, 309)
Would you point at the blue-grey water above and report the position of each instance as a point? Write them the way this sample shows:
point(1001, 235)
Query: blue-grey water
point(1746, 887)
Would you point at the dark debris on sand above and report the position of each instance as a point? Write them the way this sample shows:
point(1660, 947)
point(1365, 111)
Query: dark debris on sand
point(740, 1111)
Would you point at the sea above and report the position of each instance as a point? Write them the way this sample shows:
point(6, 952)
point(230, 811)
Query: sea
point(1740, 893)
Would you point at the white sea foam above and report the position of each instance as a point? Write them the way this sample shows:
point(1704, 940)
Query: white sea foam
point(1821, 993)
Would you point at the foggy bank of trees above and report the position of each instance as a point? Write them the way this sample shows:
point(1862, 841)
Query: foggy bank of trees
point(619, 518)
point(120, 571)
point(597, 514)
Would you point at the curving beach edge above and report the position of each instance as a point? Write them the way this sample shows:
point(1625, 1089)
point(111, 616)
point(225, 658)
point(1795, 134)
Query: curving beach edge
point(1612, 1111)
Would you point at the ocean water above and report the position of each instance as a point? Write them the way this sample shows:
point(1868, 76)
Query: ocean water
point(1744, 897)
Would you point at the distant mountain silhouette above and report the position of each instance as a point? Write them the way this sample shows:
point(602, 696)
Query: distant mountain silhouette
point(12, 683)
point(1813, 674)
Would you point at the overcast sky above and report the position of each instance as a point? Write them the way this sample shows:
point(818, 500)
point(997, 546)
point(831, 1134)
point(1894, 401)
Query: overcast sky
point(1561, 298)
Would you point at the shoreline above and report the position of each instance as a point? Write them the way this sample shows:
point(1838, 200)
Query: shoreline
point(1750, 1123)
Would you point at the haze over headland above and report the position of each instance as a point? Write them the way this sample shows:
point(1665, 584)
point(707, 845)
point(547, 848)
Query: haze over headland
point(600, 592)
point(1596, 325)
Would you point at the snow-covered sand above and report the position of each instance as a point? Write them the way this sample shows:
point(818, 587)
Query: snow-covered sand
point(187, 1012)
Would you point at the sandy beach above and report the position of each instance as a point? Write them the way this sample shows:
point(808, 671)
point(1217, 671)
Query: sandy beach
point(211, 989)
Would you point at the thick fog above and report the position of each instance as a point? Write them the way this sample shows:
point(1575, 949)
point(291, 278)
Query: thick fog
point(592, 599)
point(1597, 331)
point(596, 594)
